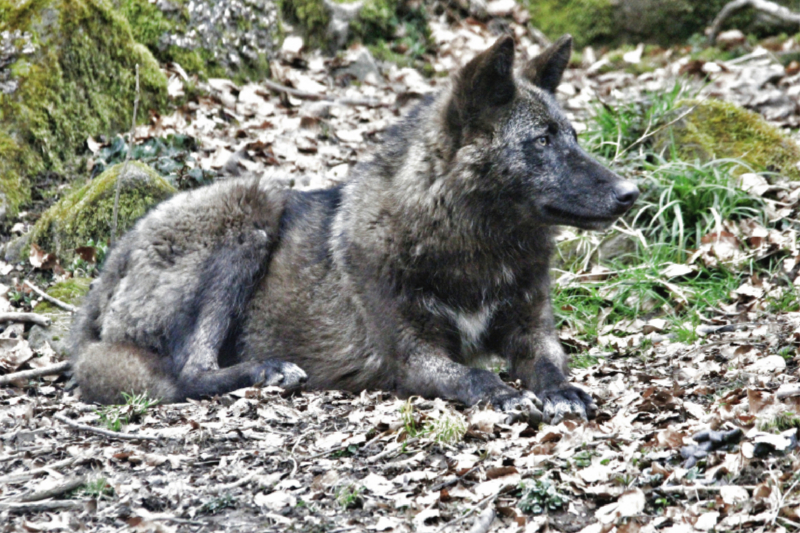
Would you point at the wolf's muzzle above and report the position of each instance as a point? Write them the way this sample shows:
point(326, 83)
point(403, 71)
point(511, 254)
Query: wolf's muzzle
point(625, 193)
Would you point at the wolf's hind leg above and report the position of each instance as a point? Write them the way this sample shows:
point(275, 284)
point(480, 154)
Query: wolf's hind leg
point(227, 283)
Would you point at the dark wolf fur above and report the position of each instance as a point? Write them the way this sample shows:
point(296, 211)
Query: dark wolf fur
point(434, 252)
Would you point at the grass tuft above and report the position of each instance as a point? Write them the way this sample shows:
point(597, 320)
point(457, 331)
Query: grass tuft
point(114, 417)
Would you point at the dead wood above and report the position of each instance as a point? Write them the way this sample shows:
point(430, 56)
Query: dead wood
point(103, 432)
point(51, 370)
point(277, 87)
point(771, 8)
point(40, 507)
point(25, 476)
point(58, 490)
point(52, 300)
point(31, 318)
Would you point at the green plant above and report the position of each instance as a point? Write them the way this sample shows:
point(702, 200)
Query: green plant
point(617, 130)
point(114, 417)
point(215, 505)
point(98, 489)
point(781, 422)
point(170, 156)
point(348, 496)
point(582, 459)
point(446, 428)
point(681, 202)
point(541, 496)
point(89, 259)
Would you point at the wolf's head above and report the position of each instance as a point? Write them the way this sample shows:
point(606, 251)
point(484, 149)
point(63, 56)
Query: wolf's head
point(513, 129)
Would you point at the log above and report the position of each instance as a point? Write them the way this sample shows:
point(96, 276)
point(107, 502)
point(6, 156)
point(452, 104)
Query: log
point(771, 8)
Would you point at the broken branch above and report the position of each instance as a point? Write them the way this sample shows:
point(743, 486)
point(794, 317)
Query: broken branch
point(40, 507)
point(31, 318)
point(319, 97)
point(103, 432)
point(58, 490)
point(51, 299)
point(52, 370)
point(771, 8)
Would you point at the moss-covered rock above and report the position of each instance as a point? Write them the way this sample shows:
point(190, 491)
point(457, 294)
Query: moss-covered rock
point(373, 22)
point(607, 22)
point(86, 213)
point(208, 37)
point(717, 129)
point(67, 71)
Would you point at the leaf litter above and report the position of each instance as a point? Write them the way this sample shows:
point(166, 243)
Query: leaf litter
point(697, 429)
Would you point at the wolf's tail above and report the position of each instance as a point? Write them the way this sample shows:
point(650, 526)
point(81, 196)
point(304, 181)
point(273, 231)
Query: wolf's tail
point(104, 370)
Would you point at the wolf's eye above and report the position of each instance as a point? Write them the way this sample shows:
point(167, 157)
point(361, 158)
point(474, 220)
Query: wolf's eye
point(543, 140)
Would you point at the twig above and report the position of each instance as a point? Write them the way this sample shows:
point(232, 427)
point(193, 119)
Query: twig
point(471, 512)
point(61, 488)
point(391, 451)
point(484, 521)
point(51, 370)
point(51, 299)
point(788, 392)
point(131, 141)
point(298, 441)
point(445, 484)
point(103, 432)
point(40, 507)
point(539, 37)
point(177, 520)
point(24, 476)
point(31, 318)
point(217, 489)
point(322, 98)
point(787, 521)
point(779, 12)
point(695, 488)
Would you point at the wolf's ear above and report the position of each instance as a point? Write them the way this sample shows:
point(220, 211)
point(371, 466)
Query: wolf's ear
point(487, 80)
point(546, 69)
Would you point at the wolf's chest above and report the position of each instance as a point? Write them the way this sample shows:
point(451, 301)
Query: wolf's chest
point(472, 326)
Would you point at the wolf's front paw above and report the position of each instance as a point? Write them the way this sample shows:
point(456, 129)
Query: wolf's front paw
point(520, 405)
point(280, 374)
point(568, 401)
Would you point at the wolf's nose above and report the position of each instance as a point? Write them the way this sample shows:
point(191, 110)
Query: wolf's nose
point(625, 193)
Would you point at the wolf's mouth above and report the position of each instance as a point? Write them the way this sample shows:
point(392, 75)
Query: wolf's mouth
point(562, 216)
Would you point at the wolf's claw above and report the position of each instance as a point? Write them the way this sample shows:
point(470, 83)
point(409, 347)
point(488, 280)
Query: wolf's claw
point(520, 405)
point(281, 374)
point(568, 402)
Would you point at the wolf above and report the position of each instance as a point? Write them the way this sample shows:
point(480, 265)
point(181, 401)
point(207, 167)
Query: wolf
point(433, 253)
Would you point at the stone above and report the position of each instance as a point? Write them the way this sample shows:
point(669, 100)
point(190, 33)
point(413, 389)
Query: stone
point(86, 213)
point(56, 334)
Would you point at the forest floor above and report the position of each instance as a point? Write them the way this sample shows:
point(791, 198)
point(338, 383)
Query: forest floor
point(698, 392)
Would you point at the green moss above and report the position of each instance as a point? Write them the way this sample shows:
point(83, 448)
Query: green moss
point(716, 129)
point(611, 22)
point(70, 291)
point(86, 213)
point(80, 82)
point(377, 23)
point(311, 15)
point(147, 21)
point(588, 21)
point(16, 162)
